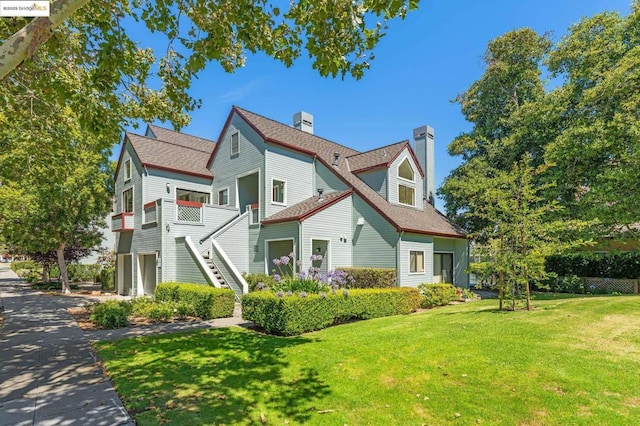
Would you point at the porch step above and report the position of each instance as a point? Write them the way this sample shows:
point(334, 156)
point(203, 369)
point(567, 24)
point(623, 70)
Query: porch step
point(217, 274)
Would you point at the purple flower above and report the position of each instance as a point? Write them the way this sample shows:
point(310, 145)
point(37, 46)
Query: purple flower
point(299, 262)
point(260, 286)
point(277, 278)
point(291, 255)
point(280, 294)
point(289, 293)
point(302, 294)
point(302, 276)
point(276, 261)
point(285, 260)
point(333, 290)
point(323, 295)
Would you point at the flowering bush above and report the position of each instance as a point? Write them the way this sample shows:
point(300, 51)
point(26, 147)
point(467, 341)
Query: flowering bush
point(311, 281)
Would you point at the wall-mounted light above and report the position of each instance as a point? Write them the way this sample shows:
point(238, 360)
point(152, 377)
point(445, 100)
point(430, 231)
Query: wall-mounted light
point(168, 188)
point(167, 227)
point(318, 250)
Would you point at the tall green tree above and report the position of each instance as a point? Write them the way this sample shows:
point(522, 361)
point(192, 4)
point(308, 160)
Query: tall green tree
point(512, 78)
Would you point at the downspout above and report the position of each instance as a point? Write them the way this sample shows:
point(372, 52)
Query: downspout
point(299, 247)
point(398, 254)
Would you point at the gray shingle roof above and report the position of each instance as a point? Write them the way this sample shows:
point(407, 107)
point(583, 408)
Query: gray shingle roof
point(378, 157)
point(181, 155)
point(308, 207)
point(404, 218)
point(183, 139)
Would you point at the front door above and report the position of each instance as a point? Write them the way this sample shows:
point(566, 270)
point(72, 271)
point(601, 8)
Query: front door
point(443, 268)
point(275, 250)
point(148, 273)
point(125, 274)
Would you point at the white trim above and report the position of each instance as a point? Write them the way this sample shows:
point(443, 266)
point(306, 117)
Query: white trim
point(133, 200)
point(328, 256)
point(268, 261)
point(240, 176)
point(226, 188)
point(237, 135)
point(202, 265)
point(453, 264)
point(406, 158)
point(284, 192)
point(120, 284)
point(232, 268)
point(176, 189)
point(139, 280)
point(424, 269)
point(414, 195)
point(127, 170)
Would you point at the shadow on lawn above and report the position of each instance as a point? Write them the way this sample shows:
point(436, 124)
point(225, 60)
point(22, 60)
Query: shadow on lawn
point(221, 376)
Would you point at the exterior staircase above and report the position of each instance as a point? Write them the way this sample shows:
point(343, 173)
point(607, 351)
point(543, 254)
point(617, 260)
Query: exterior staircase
point(216, 273)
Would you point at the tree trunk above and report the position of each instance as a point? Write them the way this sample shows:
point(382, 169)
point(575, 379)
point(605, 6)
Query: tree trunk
point(501, 289)
point(24, 44)
point(525, 274)
point(45, 272)
point(64, 278)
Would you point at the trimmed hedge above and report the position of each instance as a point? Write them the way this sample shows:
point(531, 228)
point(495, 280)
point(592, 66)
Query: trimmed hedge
point(78, 272)
point(437, 294)
point(108, 279)
point(590, 264)
point(25, 265)
point(207, 302)
point(296, 314)
point(253, 280)
point(111, 314)
point(372, 277)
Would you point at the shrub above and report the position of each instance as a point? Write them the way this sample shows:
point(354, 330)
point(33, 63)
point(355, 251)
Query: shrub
point(107, 279)
point(20, 265)
point(293, 314)
point(111, 314)
point(78, 272)
point(556, 284)
point(590, 264)
point(207, 302)
point(372, 277)
point(253, 280)
point(437, 294)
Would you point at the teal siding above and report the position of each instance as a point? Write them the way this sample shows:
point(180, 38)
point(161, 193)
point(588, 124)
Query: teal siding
point(278, 231)
point(334, 224)
point(155, 184)
point(459, 247)
point(235, 243)
point(376, 179)
point(394, 180)
point(224, 270)
point(226, 167)
point(295, 169)
point(187, 270)
point(417, 242)
point(327, 179)
point(374, 242)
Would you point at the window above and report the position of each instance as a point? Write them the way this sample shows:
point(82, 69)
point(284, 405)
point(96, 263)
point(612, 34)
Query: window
point(443, 268)
point(223, 197)
point(235, 145)
point(127, 201)
point(278, 191)
point(127, 170)
point(406, 195)
point(416, 262)
point(405, 171)
point(186, 195)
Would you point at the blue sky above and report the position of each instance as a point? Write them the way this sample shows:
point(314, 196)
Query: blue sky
point(420, 66)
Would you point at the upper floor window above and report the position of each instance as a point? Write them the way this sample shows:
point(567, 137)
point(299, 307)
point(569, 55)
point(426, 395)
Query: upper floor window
point(406, 195)
point(405, 171)
point(223, 197)
point(235, 144)
point(278, 188)
point(127, 200)
point(416, 262)
point(127, 170)
point(186, 195)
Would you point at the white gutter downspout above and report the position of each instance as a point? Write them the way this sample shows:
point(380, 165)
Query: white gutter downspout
point(398, 254)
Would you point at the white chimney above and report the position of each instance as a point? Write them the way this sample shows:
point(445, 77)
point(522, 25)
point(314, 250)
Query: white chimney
point(423, 147)
point(303, 121)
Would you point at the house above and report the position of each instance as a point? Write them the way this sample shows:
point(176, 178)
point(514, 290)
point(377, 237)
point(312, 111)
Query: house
point(194, 210)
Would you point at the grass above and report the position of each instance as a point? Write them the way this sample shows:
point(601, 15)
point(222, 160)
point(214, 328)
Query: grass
point(571, 361)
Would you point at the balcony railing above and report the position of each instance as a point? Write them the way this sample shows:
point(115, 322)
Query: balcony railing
point(188, 211)
point(122, 222)
point(151, 212)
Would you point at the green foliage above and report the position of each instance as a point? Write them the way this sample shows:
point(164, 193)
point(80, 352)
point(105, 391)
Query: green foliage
point(153, 310)
point(371, 277)
point(107, 279)
point(296, 285)
point(25, 265)
point(253, 280)
point(436, 294)
point(78, 272)
point(595, 264)
point(39, 285)
point(562, 284)
point(300, 313)
point(111, 314)
point(206, 302)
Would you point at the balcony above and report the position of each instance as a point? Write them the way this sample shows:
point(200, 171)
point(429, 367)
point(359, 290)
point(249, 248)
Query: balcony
point(188, 211)
point(122, 222)
point(254, 213)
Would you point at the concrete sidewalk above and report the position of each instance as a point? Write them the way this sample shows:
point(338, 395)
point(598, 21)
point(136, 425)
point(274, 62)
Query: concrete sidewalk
point(48, 373)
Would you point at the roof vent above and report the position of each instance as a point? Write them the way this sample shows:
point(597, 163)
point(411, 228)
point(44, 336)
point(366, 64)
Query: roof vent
point(303, 121)
point(336, 157)
point(320, 191)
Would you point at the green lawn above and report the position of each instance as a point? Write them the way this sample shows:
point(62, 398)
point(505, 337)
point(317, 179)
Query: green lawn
point(570, 362)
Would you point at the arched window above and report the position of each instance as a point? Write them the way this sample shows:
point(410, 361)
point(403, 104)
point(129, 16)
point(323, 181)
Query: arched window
point(405, 171)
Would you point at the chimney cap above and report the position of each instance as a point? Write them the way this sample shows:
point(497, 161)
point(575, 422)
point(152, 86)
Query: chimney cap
point(423, 131)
